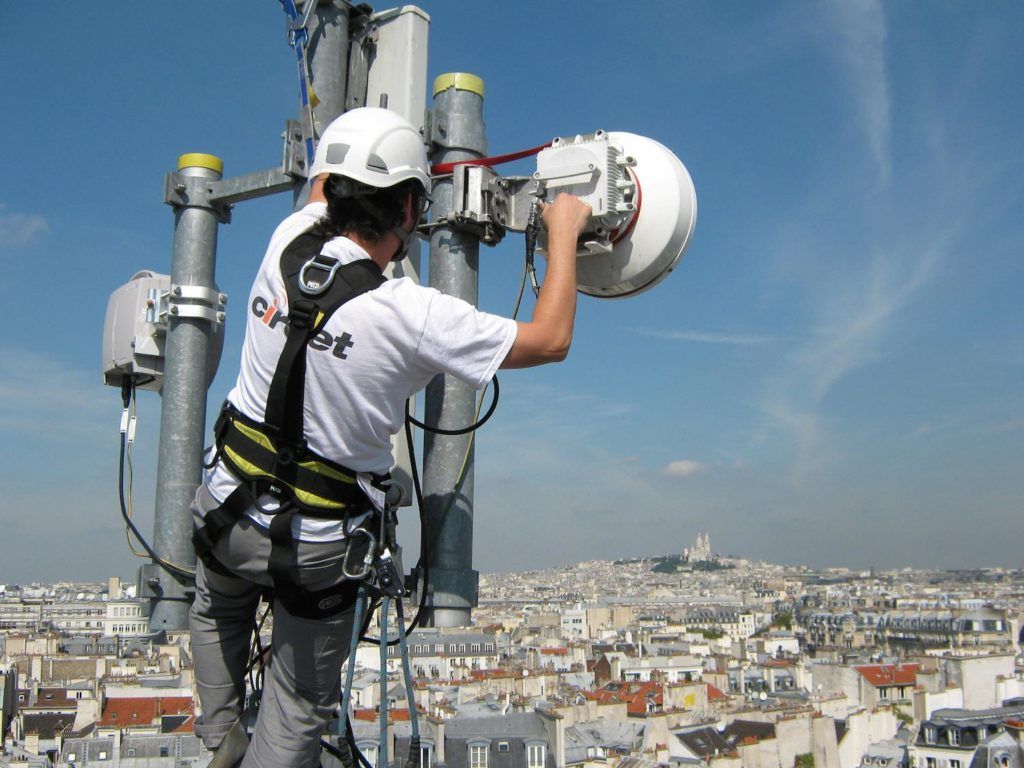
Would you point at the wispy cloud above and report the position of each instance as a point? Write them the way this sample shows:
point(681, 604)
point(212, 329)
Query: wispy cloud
point(855, 322)
point(51, 401)
point(932, 427)
point(705, 337)
point(861, 26)
point(1006, 426)
point(19, 229)
point(852, 326)
point(59, 429)
point(684, 468)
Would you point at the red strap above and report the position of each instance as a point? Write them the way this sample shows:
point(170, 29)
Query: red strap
point(442, 168)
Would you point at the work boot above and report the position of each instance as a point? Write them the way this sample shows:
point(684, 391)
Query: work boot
point(232, 748)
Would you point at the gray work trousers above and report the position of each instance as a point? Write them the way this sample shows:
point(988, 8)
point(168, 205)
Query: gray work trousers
point(303, 684)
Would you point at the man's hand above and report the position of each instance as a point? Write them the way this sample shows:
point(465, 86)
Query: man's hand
point(546, 338)
point(566, 217)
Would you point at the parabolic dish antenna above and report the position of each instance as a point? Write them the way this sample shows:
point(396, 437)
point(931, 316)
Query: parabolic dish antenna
point(644, 203)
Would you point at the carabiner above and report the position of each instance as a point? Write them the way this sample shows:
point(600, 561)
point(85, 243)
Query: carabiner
point(371, 554)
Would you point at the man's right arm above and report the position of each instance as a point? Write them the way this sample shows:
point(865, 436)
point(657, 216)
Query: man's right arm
point(548, 335)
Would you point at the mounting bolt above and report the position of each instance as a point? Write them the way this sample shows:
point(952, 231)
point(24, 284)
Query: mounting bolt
point(180, 187)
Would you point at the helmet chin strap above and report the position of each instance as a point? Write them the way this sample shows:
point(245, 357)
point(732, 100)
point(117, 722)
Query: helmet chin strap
point(404, 238)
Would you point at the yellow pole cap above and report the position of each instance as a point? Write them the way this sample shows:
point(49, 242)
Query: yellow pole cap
point(200, 160)
point(462, 81)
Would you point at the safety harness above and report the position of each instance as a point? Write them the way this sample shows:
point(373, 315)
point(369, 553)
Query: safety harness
point(271, 457)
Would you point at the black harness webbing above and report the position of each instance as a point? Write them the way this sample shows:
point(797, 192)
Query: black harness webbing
point(272, 457)
point(316, 484)
point(307, 312)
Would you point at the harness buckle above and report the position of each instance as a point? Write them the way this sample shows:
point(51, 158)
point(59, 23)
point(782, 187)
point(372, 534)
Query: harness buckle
point(286, 455)
point(220, 427)
point(292, 452)
point(300, 314)
point(317, 274)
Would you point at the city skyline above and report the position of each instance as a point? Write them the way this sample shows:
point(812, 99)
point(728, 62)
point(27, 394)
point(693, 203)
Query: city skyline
point(832, 375)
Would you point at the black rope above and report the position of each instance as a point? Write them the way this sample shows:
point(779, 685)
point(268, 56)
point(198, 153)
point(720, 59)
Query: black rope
point(127, 394)
point(256, 679)
point(532, 226)
point(463, 430)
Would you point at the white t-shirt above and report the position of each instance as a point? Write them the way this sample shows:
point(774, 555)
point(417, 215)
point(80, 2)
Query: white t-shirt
point(374, 352)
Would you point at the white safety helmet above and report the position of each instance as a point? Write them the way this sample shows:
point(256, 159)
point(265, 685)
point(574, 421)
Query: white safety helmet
point(373, 146)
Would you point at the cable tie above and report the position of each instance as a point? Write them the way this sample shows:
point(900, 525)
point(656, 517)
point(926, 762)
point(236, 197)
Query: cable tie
point(124, 421)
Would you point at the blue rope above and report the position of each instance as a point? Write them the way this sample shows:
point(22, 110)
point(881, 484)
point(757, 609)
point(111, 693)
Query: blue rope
point(410, 697)
point(298, 38)
point(357, 623)
point(382, 747)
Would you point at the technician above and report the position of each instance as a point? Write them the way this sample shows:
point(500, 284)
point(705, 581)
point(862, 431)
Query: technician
point(328, 437)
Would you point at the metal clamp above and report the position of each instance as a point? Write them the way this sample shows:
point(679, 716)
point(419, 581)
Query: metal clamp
point(182, 191)
point(293, 153)
point(195, 302)
point(154, 582)
point(480, 204)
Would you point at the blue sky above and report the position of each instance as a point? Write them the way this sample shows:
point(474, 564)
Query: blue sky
point(832, 376)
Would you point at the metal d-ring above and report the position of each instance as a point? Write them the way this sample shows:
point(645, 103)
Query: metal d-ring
point(315, 289)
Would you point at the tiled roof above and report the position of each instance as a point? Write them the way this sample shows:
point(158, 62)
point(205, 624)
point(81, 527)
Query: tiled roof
point(881, 675)
point(748, 731)
point(128, 711)
point(486, 674)
point(55, 697)
point(715, 693)
point(634, 695)
point(704, 742)
point(46, 724)
point(372, 715)
point(178, 723)
point(46, 698)
point(496, 725)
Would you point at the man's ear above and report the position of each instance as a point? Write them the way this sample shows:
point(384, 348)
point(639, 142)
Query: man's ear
point(411, 218)
point(316, 189)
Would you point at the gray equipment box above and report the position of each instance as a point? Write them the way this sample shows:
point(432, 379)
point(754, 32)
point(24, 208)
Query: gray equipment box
point(135, 332)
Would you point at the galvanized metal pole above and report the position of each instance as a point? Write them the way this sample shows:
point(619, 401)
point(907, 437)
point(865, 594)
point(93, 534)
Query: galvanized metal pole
point(196, 198)
point(458, 129)
point(328, 72)
point(328, 61)
point(186, 378)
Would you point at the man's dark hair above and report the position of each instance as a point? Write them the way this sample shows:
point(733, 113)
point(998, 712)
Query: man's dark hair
point(370, 216)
